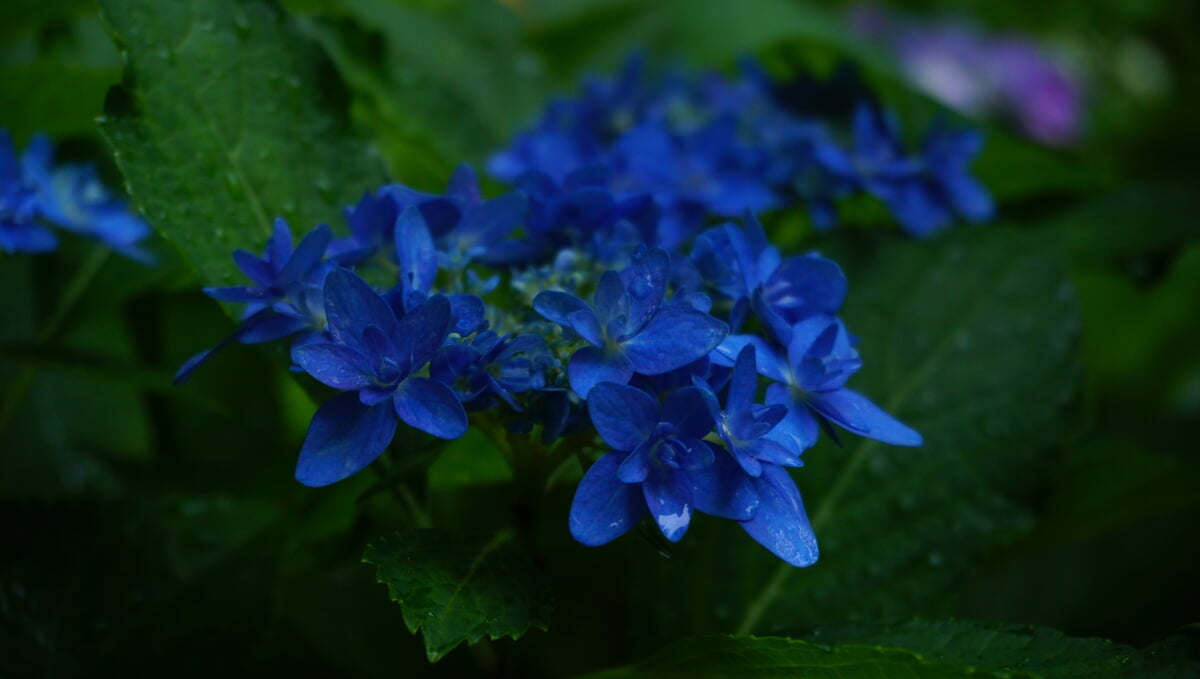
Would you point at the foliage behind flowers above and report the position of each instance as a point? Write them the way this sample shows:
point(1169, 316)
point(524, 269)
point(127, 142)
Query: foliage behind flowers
point(616, 386)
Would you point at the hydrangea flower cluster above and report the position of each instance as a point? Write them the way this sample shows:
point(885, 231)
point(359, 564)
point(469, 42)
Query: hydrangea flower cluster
point(709, 145)
point(34, 193)
point(699, 363)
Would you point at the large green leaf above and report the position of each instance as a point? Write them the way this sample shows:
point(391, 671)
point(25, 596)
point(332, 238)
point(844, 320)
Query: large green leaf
point(916, 649)
point(972, 340)
point(439, 83)
point(1021, 648)
point(458, 587)
point(227, 118)
point(711, 657)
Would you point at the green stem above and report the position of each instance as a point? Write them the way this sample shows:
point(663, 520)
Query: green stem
point(78, 285)
point(49, 332)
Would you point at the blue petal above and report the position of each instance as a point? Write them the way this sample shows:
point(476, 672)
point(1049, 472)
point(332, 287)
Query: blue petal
point(723, 489)
point(969, 198)
point(674, 337)
point(343, 437)
point(806, 284)
point(604, 508)
point(669, 496)
point(423, 330)
point(491, 221)
point(415, 252)
point(585, 323)
point(25, 237)
point(798, 430)
point(268, 326)
point(780, 524)
point(743, 385)
point(590, 366)
point(279, 245)
point(335, 365)
point(240, 294)
point(257, 270)
point(351, 305)
point(307, 254)
point(430, 406)
point(623, 416)
point(464, 186)
point(557, 306)
point(767, 450)
point(468, 311)
point(855, 412)
point(767, 359)
point(611, 302)
point(646, 284)
point(636, 467)
point(687, 410)
point(189, 366)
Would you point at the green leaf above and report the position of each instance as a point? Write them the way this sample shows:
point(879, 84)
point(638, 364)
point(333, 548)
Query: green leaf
point(711, 657)
point(458, 587)
point(58, 99)
point(439, 85)
point(600, 33)
point(1021, 648)
point(227, 118)
point(972, 340)
point(927, 649)
point(1013, 168)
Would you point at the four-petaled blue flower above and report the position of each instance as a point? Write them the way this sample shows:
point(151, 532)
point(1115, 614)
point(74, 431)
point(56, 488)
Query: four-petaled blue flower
point(631, 329)
point(780, 523)
point(659, 465)
point(286, 297)
point(374, 357)
point(811, 381)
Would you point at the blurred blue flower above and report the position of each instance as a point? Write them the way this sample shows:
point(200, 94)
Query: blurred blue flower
point(19, 232)
point(923, 192)
point(33, 191)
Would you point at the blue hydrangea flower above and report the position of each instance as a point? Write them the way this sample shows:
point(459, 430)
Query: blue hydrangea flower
point(946, 155)
point(742, 424)
point(374, 357)
point(33, 190)
point(811, 381)
point(630, 329)
point(659, 465)
point(493, 366)
point(18, 206)
point(286, 295)
point(741, 265)
point(923, 192)
point(690, 176)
